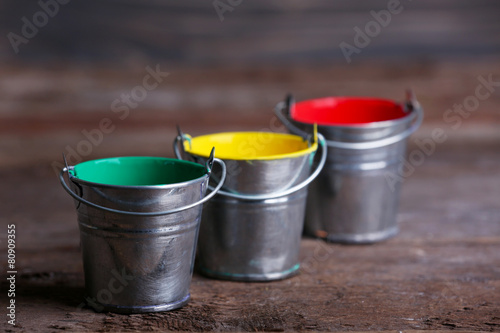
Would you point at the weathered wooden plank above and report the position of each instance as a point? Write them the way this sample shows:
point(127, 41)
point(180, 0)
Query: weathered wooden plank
point(253, 32)
point(441, 272)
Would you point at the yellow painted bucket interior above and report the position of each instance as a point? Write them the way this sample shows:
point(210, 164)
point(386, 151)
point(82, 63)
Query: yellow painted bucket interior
point(249, 145)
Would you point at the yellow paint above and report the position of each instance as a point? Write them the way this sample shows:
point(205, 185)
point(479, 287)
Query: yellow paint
point(250, 145)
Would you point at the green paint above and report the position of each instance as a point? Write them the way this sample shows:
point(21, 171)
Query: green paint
point(138, 171)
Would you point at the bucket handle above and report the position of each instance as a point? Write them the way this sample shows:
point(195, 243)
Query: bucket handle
point(208, 165)
point(274, 195)
point(282, 111)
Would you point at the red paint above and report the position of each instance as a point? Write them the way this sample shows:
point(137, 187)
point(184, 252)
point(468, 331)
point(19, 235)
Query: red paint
point(346, 111)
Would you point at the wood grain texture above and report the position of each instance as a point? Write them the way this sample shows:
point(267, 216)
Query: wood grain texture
point(124, 32)
point(442, 272)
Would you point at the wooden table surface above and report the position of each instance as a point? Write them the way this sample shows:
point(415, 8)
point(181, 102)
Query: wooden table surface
point(441, 272)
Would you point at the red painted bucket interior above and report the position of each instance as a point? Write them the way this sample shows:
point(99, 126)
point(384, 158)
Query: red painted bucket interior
point(346, 111)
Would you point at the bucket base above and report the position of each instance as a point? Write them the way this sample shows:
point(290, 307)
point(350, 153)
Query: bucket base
point(367, 238)
point(98, 307)
point(251, 277)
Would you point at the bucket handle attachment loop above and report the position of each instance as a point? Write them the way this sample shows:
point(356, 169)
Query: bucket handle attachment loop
point(179, 141)
point(275, 195)
point(210, 162)
point(168, 212)
point(282, 111)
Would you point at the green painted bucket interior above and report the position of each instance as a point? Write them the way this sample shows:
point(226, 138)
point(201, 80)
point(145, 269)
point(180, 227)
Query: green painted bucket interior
point(138, 171)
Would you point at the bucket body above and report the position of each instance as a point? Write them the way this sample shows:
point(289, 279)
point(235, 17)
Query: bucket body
point(249, 232)
point(252, 240)
point(136, 263)
point(354, 199)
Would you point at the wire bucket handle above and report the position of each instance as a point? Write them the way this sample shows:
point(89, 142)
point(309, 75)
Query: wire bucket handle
point(181, 137)
point(282, 111)
point(208, 166)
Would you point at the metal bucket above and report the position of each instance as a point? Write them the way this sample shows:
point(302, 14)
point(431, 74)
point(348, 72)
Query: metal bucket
point(139, 219)
point(352, 200)
point(251, 230)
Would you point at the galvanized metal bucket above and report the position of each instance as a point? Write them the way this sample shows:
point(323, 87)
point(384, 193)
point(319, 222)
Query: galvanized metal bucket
point(352, 200)
point(251, 231)
point(139, 219)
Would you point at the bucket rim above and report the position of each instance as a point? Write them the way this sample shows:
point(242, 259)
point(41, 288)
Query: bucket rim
point(373, 124)
point(312, 146)
point(140, 187)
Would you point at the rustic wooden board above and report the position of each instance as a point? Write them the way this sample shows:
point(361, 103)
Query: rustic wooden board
point(441, 272)
point(127, 32)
